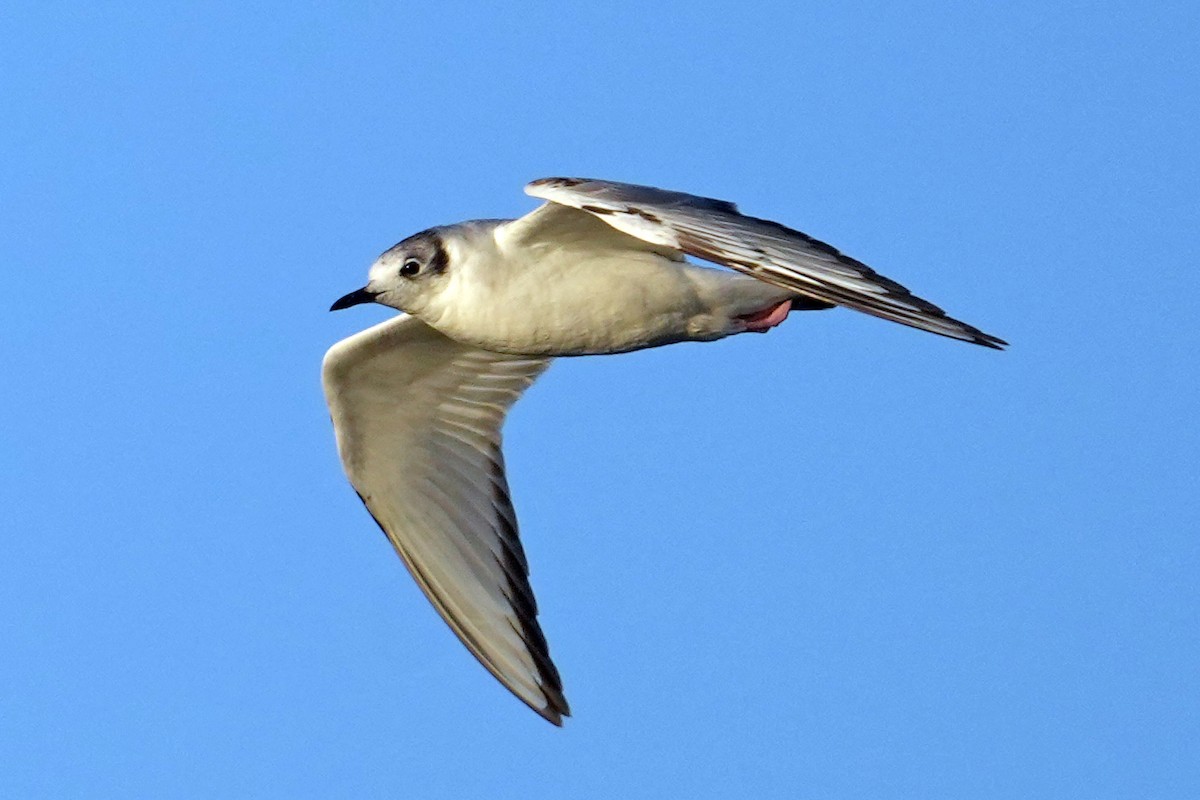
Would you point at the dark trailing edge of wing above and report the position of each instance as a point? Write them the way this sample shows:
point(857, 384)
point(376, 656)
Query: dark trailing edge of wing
point(529, 630)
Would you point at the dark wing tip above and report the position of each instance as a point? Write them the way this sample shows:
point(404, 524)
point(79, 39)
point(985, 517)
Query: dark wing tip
point(987, 340)
point(971, 334)
point(555, 712)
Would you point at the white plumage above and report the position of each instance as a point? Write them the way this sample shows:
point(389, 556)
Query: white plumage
point(418, 401)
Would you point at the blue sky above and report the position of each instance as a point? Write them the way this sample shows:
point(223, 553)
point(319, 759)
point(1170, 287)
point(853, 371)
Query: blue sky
point(846, 559)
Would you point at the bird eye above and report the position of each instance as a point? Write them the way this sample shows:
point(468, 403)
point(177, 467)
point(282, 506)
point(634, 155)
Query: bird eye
point(410, 268)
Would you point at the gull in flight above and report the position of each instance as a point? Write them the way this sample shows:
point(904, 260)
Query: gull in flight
point(418, 401)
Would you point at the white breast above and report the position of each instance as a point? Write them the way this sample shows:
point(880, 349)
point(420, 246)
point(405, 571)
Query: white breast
point(590, 292)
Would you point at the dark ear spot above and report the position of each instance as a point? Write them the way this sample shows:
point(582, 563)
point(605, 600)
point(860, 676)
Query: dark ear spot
point(440, 259)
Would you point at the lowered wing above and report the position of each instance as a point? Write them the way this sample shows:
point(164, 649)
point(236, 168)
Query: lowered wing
point(418, 419)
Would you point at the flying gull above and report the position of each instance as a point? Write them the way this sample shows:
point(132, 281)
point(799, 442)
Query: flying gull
point(418, 401)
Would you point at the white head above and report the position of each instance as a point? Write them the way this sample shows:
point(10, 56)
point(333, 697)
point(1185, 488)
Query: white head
point(406, 275)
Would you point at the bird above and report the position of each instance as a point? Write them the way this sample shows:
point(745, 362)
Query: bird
point(418, 401)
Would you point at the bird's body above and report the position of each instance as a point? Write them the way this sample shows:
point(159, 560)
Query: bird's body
point(418, 401)
point(589, 290)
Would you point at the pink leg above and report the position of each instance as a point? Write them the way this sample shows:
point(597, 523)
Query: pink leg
point(763, 321)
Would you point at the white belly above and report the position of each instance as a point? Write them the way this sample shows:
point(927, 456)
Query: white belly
point(575, 304)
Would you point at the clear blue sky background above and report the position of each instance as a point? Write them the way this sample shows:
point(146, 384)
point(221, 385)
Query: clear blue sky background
point(846, 559)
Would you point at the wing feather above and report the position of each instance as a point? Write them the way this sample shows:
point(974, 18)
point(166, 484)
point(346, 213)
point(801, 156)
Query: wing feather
point(716, 231)
point(417, 418)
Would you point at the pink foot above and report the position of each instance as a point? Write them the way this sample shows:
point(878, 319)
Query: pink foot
point(763, 321)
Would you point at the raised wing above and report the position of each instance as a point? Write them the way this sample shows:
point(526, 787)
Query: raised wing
point(716, 231)
point(418, 419)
